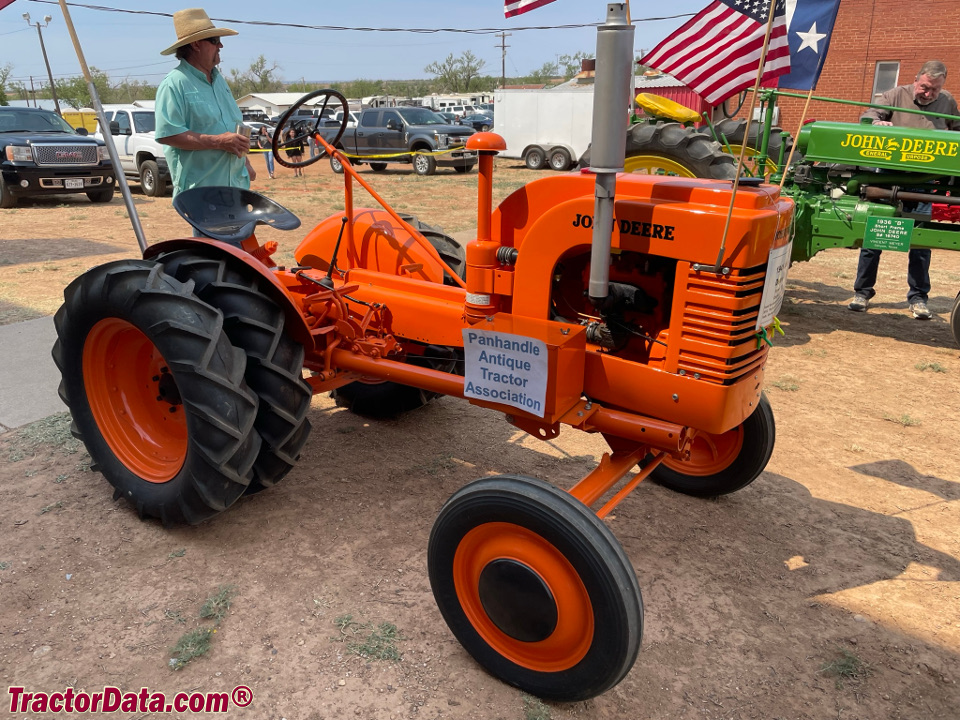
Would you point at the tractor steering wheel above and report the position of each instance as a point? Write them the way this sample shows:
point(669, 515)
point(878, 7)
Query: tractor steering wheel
point(306, 129)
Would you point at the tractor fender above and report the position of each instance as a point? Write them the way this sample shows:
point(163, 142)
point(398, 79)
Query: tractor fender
point(299, 330)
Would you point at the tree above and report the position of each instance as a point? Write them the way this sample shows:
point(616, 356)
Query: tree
point(457, 74)
point(73, 91)
point(260, 77)
point(4, 76)
point(570, 64)
point(544, 73)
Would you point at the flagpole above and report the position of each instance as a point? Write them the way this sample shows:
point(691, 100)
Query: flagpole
point(107, 137)
point(783, 170)
point(746, 135)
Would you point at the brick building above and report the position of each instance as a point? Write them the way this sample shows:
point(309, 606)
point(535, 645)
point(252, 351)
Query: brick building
point(877, 45)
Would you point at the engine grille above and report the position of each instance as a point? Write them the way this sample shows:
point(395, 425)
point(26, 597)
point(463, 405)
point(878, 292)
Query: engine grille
point(718, 336)
point(61, 155)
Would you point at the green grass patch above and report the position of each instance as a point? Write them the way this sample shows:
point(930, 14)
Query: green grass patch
point(787, 383)
point(217, 605)
point(50, 433)
point(50, 508)
point(534, 709)
point(178, 553)
point(4, 565)
point(936, 367)
point(190, 646)
point(904, 420)
point(367, 641)
point(845, 667)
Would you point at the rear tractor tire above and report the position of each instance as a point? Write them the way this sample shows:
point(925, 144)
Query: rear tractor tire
point(535, 587)
point(156, 391)
point(256, 324)
point(722, 464)
point(672, 149)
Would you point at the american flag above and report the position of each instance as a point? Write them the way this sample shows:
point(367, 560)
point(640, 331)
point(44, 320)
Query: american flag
point(717, 53)
point(517, 7)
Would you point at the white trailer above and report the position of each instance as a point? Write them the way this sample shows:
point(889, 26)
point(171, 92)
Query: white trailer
point(544, 127)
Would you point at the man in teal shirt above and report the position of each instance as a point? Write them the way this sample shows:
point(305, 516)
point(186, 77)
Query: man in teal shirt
point(197, 116)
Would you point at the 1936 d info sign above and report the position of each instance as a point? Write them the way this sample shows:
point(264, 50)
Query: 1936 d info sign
point(506, 369)
point(888, 233)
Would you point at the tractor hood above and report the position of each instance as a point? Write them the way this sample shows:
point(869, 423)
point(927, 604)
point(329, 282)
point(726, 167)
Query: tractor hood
point(933, 152)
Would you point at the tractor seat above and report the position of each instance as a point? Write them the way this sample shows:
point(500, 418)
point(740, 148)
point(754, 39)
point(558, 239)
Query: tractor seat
point(663, 108)
point(230, 214)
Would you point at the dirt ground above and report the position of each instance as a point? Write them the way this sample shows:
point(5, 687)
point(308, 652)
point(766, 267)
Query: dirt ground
point(829, 588)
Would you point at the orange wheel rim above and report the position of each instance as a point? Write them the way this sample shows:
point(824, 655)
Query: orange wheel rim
point(572, 636)
point(709, 454)
point(134, 400)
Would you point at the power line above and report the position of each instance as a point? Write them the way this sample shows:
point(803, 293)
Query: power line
point(301, 26)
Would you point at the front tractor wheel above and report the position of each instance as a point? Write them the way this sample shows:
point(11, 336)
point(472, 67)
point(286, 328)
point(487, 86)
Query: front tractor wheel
point(156, 391)
point(725, 463)
point(535, 587)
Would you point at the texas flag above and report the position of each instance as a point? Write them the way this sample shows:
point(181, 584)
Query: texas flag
point(810, 24)
point(516, 7)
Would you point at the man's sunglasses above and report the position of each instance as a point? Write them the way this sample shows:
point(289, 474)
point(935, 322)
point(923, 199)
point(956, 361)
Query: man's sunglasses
point(213, 40)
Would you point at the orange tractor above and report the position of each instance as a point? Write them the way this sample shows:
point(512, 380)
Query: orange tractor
point(189, 374)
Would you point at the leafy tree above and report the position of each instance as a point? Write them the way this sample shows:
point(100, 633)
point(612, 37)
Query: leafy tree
point(457, 74)
point(544, 73)
point(73, 91)
point(570, 64)
point(5, 71)
point(259, 77)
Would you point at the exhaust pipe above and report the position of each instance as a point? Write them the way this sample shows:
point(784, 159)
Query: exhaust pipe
point(611, 100)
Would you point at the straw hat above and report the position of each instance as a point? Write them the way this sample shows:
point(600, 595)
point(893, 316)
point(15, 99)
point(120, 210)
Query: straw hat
point(192, 25)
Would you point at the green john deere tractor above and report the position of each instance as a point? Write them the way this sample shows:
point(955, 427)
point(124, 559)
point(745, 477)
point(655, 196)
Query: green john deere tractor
point(894, 188)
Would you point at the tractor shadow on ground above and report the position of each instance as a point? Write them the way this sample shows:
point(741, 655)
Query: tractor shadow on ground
point(902, 473)
point(21, 251)
point(815, 308)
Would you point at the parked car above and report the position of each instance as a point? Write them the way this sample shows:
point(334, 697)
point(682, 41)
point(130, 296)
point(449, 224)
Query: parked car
point(448, 117)
point(483, 123)
point(141, 156)
point(40, 154)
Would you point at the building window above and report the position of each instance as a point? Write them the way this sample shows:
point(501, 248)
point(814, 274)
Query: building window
point(885, 77)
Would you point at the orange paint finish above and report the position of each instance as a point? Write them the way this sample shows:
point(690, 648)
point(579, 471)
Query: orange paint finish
point(570, 640)
point(380, 244)
point(123, 373)
point(565, 361)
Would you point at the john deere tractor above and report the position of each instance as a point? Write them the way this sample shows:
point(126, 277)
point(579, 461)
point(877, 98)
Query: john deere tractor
point(891, 188)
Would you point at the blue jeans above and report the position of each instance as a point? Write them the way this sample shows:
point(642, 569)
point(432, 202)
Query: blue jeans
point(918, 274)
point(269, 156)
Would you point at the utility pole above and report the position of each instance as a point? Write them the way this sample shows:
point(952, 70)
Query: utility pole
point(43, 49)
point(33, 93)
point(503, 56)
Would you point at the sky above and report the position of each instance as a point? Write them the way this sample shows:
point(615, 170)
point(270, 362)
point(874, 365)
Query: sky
point(128, 45)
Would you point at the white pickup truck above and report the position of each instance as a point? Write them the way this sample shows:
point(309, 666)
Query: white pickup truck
point(141, 156)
